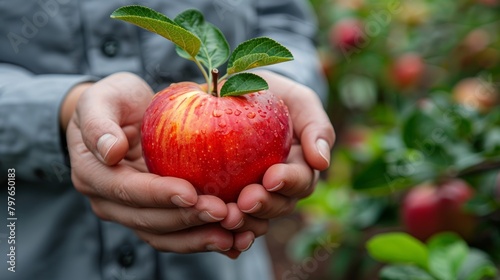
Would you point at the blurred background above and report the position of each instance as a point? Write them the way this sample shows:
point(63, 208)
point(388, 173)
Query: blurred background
point(413, 191)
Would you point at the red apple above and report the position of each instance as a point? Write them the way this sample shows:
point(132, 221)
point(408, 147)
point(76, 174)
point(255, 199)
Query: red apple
point(347, 34)
point(429, 209)
point(476, 93)
point(218, 144)
point(407, 70)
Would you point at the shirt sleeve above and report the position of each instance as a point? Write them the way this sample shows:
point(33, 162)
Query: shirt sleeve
point(30, 134)
point(293, 24)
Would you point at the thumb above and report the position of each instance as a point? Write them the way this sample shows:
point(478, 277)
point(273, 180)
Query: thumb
point(317, 141)
point(106, 108)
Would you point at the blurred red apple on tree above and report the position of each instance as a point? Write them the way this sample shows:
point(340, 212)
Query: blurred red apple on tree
point(407, 70)
point(476, 93)
point(347, 34)
point(428, 209)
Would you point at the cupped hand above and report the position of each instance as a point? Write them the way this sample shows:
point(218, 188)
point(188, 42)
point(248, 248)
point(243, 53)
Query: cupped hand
point(284, 184)
point(104, 145)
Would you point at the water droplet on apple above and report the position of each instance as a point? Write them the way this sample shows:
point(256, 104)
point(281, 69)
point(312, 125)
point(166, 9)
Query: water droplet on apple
point(246, 108)
point(237, 112)
point(228, 111)
point(270, 102)
point(222, 124)
point(217, 113)
point(269, 108)
point(251, 115)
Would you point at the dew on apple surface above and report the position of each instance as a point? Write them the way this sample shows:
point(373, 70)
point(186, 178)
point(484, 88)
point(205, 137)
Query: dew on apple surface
point(251, 115)
point(222, 124)
point(217, 113)
point(237, 112)
point(228, 111)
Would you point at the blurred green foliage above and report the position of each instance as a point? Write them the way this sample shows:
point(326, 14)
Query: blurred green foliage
point(414, 98)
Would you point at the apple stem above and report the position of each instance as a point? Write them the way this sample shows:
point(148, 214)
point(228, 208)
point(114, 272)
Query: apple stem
point(215, 77)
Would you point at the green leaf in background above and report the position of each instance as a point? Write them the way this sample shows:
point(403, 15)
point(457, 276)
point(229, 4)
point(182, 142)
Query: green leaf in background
point(477, 266)
point(243, 83)
point(404, 272)
point(214, 49)
point(424, 133)
point(257, 52)
point(358, 92)
point(447, 252)
point(153, 21)
point(398, 248)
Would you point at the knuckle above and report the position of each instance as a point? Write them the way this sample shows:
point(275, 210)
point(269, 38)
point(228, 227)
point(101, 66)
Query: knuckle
point(98, 210)
point(140, 222)
point(188, 217)
point(120, 193)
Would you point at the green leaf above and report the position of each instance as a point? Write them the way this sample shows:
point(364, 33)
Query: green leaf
point(357, 92)
point(404, 272)
point(257, 52)
point(398, 248)
point(447, 252)
point(214, 50)
point(153, 21)
point(477, 266)
point(243, 83)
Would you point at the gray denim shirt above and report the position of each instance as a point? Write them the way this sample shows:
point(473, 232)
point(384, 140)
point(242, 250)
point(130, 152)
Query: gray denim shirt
point(47, 47)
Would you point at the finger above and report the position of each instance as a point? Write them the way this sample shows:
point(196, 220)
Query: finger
point(310, 123)
point(256, 201)
point(240, 222)
point(243, 241)
point(209, 209)
point(118, 100)
point(294, 178)
point(206, 238)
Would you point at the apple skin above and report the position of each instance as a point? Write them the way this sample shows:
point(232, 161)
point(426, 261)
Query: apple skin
point(218, 144)
point(429, 209)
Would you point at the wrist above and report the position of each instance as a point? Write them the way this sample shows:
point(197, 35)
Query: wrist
point(69, 103)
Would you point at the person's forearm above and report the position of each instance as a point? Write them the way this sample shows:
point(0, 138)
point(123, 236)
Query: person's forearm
point(68, 106)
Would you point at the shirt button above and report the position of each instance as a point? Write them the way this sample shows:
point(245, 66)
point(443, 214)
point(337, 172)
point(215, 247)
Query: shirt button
point(39, 173)
point(126, 256)
point(110, 47)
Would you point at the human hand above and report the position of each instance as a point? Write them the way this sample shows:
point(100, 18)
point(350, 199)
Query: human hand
point(284, 184)
point(107, 166)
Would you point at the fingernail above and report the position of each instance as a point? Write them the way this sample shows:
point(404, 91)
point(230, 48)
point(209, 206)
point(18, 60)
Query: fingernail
point(277, 187)
point(252, 239)
point(248, 247)
point(209, 218)
point(105, 143)
point(215, 248)
point(323, 149)
point(253, 209)
point(240, 223)
point(177, 200)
